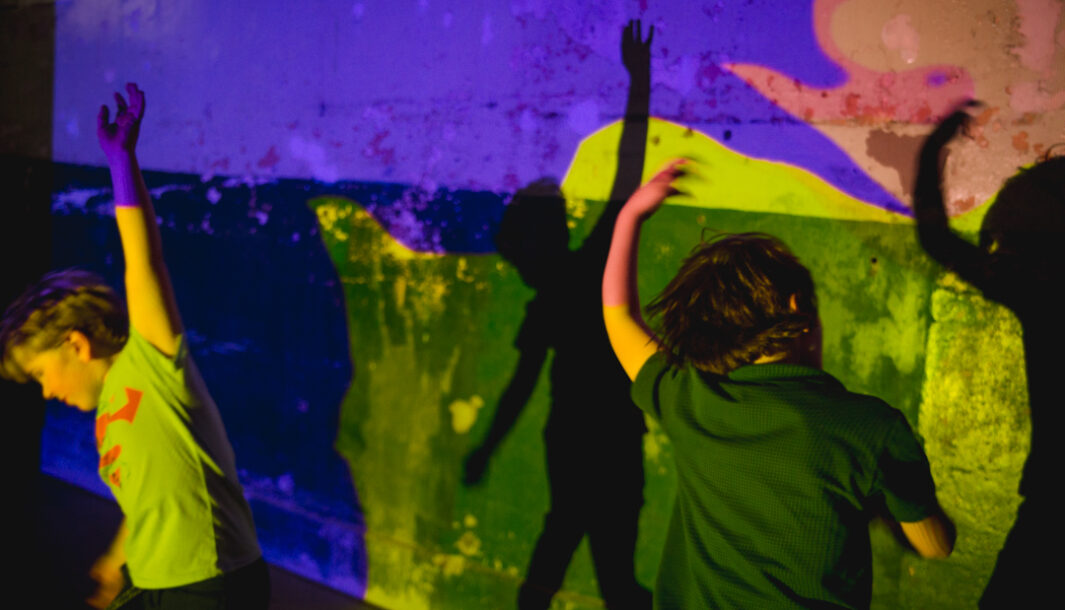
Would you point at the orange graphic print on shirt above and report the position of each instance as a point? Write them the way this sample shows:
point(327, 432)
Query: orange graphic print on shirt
point(126, 413)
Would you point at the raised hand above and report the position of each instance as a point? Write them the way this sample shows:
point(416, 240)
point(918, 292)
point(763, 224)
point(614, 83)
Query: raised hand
point(933, 224)
point(955, 123)
point(635, 51)
point(120, 137)
point(649, 197)
point(928, 191)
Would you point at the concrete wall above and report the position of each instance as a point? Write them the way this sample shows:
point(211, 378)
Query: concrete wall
point(330, 176)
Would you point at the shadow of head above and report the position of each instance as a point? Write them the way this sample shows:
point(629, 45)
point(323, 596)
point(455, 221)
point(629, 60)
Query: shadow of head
point(533, 235)
point(1027, 218)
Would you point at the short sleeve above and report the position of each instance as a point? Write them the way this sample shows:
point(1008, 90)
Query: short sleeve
point(646, 386)
point(146, 352)
point(905, 476)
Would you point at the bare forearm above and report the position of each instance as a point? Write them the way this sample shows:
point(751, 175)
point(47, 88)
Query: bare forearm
point(147, 279)
point(632, 342)
point(140, 235)
point(932, 537)
point(629, 336)
point(107, 571)
point(619, 276)
point(149, 295)
point(116, 552)
point(127, 180)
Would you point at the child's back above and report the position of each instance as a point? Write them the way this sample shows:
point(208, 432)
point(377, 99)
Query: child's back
point(778, 466)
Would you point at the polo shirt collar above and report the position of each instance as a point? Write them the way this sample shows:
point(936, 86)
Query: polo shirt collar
point(775, 370)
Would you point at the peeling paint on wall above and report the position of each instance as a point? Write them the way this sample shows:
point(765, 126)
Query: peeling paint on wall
point(919, 95)
point(1037, 22)
point(358, 192)
point(464, 413)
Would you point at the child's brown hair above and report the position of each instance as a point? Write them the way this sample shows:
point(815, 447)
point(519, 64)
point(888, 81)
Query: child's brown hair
point(730, 303)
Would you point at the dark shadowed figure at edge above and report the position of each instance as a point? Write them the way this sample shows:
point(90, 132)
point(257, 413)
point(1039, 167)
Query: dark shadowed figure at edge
point(1019, 264)
point(594, 434)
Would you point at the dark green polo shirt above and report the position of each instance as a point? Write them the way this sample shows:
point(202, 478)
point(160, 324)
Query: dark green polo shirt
point(776, 467)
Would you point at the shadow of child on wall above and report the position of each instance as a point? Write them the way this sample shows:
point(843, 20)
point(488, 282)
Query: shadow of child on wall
point(594, 433)
point(1017, 263)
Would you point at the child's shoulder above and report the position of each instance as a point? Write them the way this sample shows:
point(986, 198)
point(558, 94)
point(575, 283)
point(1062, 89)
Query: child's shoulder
point(870, 413)
point(140, 355)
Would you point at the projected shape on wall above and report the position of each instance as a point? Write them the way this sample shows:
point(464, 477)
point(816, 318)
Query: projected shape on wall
point(918, 95)
point(731, 180)
point(749, 75)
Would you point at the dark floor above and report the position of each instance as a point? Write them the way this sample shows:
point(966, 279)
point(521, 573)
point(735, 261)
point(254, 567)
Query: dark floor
point(69, 527)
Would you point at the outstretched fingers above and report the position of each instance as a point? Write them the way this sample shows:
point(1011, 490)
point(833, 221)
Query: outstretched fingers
point(663, 184)
point(680, 175)
point(136, 100)
point(118, 133)
point(958, 121)
point(120, 103)
point(635, 51)
point(633, 33)
point(672, 170)
point(134, 108)
point(628, 38)
point(103, 118)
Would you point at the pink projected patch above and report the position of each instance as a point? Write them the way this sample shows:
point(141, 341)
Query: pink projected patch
point(921, 95)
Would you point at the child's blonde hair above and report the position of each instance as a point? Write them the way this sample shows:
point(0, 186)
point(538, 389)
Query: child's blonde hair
point(61, 302)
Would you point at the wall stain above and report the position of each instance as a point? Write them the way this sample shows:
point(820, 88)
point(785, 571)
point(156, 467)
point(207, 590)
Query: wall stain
point(898, 152)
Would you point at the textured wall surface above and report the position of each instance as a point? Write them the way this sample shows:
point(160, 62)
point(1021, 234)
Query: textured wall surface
point(330, 177)
point(974, 419)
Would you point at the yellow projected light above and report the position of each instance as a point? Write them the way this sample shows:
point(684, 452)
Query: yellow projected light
point(726, 179)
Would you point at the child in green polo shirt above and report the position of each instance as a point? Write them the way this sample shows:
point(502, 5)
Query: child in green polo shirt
point(777, 463)
point(187, 539)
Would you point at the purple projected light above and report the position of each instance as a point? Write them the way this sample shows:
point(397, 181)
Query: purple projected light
point(491, 98)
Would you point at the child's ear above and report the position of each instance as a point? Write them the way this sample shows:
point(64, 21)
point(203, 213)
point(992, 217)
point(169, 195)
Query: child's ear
point(81, 345)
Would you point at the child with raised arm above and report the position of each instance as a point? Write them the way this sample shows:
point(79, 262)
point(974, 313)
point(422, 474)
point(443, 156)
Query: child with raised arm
point(187, 539)
point(777, 463)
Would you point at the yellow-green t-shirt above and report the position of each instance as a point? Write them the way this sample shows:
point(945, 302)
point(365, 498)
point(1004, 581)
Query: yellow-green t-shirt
point(165, 456)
